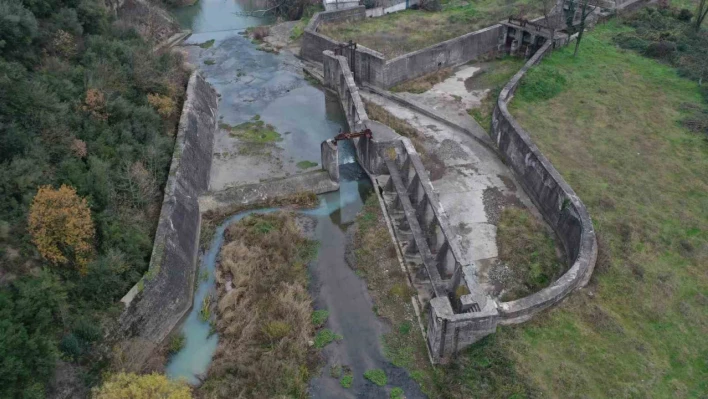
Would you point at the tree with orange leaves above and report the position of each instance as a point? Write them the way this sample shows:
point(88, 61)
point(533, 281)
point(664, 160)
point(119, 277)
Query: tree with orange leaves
point(61, 226)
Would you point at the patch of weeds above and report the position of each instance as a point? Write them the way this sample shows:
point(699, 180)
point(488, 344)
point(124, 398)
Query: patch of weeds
point(209, 61)
point(306, 164)
point(276, 330)
point(404, 328)
point(335, 371)
point(423, 83)
point(205, 311)
point(255, 131)
point(377, 376)
point(347, 378)
point(204, 275)
point(396, 393)
point(542, 83)
point(207, 44)
point(176, 343)
point(325, 337)
point(528, 249)
point(319, 317)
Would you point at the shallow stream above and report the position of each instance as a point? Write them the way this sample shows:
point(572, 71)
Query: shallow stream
point(271, 87)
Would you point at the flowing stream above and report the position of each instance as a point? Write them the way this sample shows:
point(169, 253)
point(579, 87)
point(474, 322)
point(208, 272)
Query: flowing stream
point(256, 85)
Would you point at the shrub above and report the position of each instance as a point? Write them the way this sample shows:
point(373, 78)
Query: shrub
point(685, 15)
point(61, 226)
point(164, 105)
point(541, 83)
point(396, 393)
point(148, 386)
point(260, 32)
point(377, 376)
point(325, 337)
point(319, 317)
point(276, 330)
point(662, 50)
point(176, 343)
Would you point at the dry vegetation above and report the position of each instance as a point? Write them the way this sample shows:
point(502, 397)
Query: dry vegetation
point(211, 219)
point(264, 311)
point(423, 83)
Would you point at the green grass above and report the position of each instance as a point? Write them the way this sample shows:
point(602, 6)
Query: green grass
point(209, 61)
point(396, 393)
point(325, 337)
point(255, 131)
point(376, 261)
point(614, 132)
point(306, 164)
point(307, 14)
point(406, 31)
point(377, 376)
point(319, 317)
point(346, 381)
point(493, 77)
point(207, 44)
point(528, 249)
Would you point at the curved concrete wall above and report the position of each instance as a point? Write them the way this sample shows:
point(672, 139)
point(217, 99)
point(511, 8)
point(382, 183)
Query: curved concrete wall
point(558, 203)
point(164, 295)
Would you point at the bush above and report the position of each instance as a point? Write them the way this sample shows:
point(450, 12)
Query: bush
point(661, 50)
point(377, 376)
point(319, 317)
point(176, 344)
point(541, 83)
point(685, 15)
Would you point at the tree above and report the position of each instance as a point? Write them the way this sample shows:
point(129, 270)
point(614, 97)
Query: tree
point(61, 227)
point(586, 9)
point(149, 386)
point(701, 13)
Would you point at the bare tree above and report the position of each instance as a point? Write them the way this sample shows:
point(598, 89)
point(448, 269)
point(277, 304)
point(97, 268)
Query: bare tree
point(701, 13)
point(586, 9)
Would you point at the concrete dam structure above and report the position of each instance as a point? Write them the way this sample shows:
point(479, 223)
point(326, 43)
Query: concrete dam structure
point(459, 310)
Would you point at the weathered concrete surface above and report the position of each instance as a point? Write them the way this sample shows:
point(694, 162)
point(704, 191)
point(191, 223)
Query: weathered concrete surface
point(160, 300)
point(472, 183)
point(317, 182)
point(372, 67)
point(449, 53)
point(330, 159)
point(556, 200)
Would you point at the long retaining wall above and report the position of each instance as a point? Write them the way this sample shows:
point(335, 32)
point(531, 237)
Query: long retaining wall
point(556, 200)
point(372, 67)
point(164, 295)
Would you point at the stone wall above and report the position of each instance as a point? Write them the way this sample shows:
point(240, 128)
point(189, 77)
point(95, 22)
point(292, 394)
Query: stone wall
point(556, 200)
point(371, 67)
point(164, 295)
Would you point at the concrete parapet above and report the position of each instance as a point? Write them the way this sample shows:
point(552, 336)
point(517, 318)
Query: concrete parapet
point(164, 295)
point(556, 200)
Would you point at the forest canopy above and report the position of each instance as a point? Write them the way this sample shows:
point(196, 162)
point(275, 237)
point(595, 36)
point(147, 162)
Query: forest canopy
point(84, 104)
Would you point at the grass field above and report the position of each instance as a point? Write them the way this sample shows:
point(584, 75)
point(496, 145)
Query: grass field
point(610, 122)
point(402, 32)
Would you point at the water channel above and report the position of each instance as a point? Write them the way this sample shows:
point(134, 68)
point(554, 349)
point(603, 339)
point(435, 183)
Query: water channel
point(272, 87)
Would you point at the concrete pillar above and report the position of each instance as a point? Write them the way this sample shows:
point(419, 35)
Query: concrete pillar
point(330, 158)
